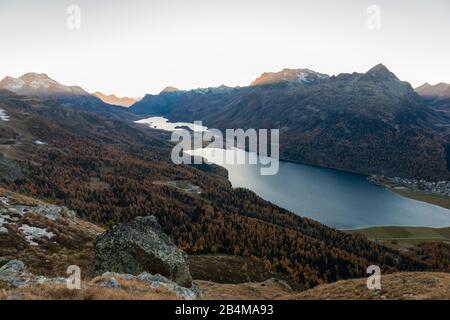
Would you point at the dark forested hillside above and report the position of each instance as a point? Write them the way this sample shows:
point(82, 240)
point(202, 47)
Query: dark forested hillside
point(106, 170)
point(370, 123)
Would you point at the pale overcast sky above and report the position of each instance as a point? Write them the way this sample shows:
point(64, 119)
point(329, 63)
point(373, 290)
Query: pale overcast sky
point(137, 47)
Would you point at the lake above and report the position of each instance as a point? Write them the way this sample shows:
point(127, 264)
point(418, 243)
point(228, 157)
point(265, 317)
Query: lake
point(335, 198)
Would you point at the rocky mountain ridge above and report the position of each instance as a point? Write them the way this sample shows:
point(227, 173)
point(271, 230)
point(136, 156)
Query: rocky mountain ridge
point(115, 100)
point(53, 93)
point(38, 84)
point(105, 170)
point(371, 122)
point(440, 90)
point(296, 76)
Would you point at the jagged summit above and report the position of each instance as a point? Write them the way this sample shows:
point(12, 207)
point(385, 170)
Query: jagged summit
point(41, 86)
point(323, 118)
point(291, 76)
point(38, 84)
point(34, 76)
point(381, 72)
point(170, 89)
point(440, 90)
point(220, 89)
point(425, 85)
point(115, 100)
point(379, 68)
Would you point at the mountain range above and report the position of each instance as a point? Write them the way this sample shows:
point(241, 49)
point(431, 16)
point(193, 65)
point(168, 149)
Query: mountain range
point(90, 157)
point(40, 85)
point(371, 122)
point(291, 76)
point(115, 100)
point(440, 90)
point(437, 96)
point(110, 171)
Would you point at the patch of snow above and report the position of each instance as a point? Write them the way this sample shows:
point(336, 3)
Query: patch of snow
point(39, 83)
point(4, 201)
point(32, 233)
point(2, 220)
point(53, 212)
point(39, 142)
point(48, 211)
point(43, 280)
point(302, 77)
point(18, 210)
point(14, 84)
point(36, 84)
point(3, 115)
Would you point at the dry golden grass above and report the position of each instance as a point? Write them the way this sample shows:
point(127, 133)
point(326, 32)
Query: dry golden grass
point(19, 199)
point(267, 290)
point(90, 291)
point(127, 285)
point(396, 286)
point(71, 245)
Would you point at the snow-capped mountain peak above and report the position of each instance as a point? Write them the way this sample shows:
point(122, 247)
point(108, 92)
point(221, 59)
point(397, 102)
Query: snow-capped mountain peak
point(305, 76)
point(38, 84)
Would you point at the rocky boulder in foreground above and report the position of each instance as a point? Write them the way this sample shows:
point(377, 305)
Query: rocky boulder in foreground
point(141, 246)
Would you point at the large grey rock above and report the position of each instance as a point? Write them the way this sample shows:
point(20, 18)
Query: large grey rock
point(53, 212)
point(14, 274)
point(109, 282)
point(158, 281)
point(141, 246)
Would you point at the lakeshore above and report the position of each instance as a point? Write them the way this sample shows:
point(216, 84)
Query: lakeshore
point(353, 200)
point(437, 193)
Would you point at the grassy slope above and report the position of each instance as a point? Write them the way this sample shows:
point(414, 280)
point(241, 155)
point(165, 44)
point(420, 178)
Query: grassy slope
point(435, 199)
point(406, 235)
point(397, 286)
